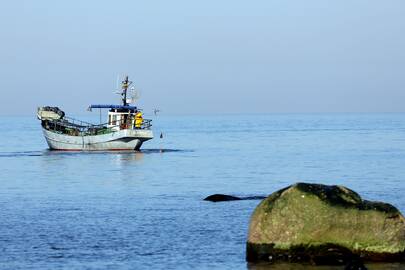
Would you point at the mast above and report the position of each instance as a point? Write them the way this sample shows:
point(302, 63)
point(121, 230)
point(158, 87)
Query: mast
point(125, 84)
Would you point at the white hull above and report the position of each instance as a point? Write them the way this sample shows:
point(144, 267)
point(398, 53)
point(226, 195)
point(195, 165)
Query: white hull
point(127, 139)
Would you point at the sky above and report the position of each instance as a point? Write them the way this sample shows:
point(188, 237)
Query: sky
point(197, 57)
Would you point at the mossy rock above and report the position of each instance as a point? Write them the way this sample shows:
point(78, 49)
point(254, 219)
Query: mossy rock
point(324, 224)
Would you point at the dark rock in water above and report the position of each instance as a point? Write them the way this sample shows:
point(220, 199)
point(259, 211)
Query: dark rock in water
point(226, 198)
point(221, 198)
point(324, 225)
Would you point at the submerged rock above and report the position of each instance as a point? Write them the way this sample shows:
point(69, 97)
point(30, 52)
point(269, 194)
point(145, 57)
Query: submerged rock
point(324, 225)
point(221, 198)
point(226, 198)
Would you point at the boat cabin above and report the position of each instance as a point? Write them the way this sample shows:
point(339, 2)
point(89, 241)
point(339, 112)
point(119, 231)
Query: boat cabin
point(119, 116)
point(120, 120)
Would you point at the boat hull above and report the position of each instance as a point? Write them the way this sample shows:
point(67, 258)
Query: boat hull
point(127, 139)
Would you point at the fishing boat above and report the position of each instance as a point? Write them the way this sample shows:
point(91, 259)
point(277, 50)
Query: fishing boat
point(125, 129)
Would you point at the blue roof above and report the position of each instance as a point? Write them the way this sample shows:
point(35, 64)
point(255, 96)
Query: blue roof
point(110, 106)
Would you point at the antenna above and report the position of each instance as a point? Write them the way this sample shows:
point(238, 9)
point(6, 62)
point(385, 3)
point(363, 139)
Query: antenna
point(117, 83)
point(134, 94)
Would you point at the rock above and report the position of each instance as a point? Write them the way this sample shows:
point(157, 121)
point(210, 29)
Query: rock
point(221, 198)
point(226, 198)
point(324, 225)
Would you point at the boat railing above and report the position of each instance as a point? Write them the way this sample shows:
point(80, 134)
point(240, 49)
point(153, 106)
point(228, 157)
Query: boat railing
point(76, 127)
point(77, 122)
point(147, 123)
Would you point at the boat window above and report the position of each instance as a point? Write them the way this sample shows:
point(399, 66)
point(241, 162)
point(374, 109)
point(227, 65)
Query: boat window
point(109, 119)
point(114, 120)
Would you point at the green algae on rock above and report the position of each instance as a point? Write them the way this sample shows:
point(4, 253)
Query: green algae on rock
point(324, 224)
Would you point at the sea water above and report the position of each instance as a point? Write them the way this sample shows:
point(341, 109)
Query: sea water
point(127, 210)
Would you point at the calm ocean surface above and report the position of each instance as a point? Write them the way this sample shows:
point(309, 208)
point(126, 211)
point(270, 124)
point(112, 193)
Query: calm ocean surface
point(125, 210)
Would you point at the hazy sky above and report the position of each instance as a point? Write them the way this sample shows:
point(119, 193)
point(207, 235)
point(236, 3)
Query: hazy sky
point(205, 56)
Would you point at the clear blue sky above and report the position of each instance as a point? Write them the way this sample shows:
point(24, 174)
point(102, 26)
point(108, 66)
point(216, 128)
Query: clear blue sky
point(205, 56)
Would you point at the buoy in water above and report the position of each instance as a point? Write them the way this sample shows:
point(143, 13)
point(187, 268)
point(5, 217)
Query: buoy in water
point(161, 147)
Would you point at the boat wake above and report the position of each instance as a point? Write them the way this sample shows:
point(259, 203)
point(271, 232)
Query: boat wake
point(21, 154)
